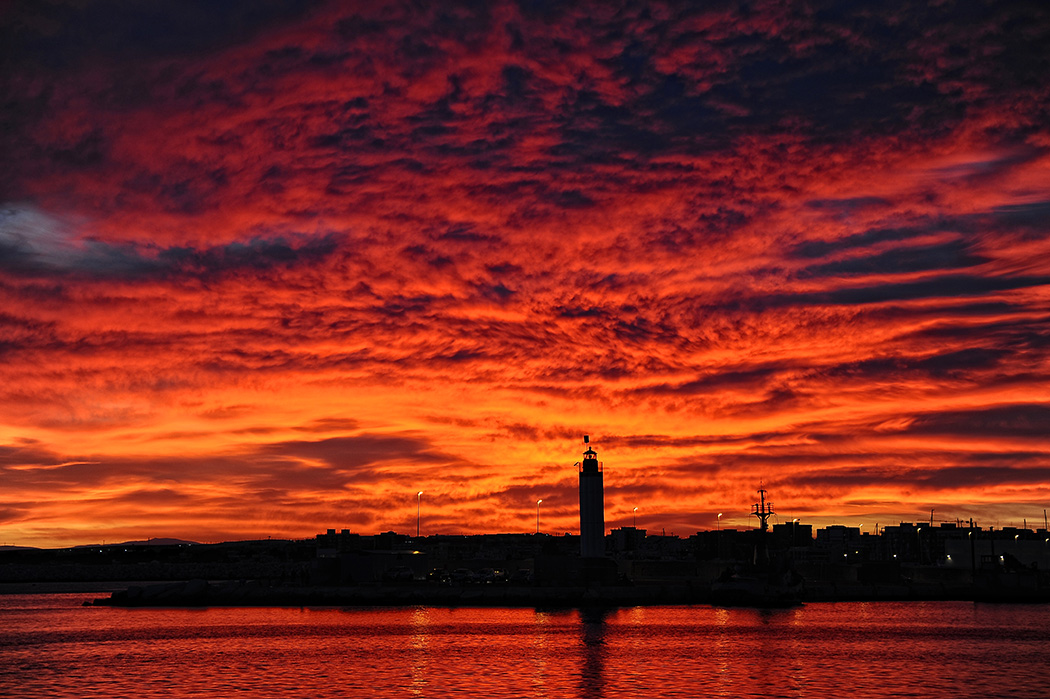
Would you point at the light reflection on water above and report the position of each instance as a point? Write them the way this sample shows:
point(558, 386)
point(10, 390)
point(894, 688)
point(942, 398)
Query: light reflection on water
point(420, 650)
point(50, 646)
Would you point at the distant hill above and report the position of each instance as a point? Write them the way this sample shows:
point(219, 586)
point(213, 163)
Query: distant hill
point(18, 548)
point(147, 542)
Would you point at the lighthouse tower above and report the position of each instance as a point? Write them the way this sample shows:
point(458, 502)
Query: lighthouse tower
point(592, 505)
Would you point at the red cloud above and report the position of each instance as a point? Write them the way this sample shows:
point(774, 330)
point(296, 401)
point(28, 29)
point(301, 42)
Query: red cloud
point(332, 258)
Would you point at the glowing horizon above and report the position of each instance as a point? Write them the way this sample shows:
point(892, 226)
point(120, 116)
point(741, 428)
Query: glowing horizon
point(272, 269)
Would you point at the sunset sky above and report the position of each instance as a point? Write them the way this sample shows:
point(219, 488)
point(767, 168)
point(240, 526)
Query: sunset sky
point(272, 267)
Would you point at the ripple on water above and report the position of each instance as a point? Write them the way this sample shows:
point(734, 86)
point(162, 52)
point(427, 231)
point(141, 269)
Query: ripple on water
point(49, 646)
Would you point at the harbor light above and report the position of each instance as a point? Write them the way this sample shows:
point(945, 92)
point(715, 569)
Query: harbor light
point(419, 495)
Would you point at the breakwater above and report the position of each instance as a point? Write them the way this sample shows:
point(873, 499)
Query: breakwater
point(200, 593)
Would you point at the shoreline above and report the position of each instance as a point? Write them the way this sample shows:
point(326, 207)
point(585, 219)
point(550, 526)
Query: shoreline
point(200, 593)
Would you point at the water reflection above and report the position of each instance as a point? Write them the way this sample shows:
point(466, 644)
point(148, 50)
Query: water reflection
point(722, 652)
point(797, 671)
point(420, 650)
point(541, 649)
point(775, 671)
point(875, 650)
point(592, 665)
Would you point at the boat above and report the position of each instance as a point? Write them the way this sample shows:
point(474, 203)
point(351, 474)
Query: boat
point(757, 588)
point(763, 583)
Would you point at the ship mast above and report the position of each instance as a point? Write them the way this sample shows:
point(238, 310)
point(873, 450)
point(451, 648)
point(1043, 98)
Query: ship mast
point(763, 510)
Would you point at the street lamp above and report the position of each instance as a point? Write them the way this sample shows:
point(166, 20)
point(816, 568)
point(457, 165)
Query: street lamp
point(718, 535)
point(418, 496)
point(538, 515)
point(636, 518)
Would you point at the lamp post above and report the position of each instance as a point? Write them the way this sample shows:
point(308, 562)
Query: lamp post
point(794, 532)
point(636, 518)
point(718, 522)
point(538, 515)
point(973, 554)
point(419, 495)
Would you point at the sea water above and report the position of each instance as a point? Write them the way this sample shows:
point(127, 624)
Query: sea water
point(51, 646)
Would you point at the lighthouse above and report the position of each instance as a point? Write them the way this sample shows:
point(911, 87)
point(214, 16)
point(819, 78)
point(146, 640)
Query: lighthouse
point(592, 504)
